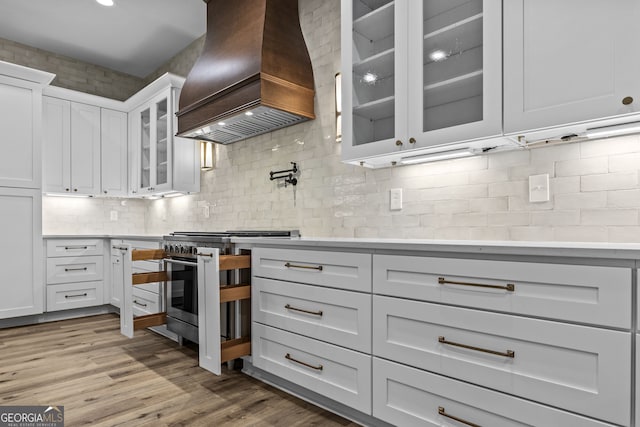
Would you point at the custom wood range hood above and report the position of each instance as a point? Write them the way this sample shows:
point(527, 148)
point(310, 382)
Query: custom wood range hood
point(253, 76)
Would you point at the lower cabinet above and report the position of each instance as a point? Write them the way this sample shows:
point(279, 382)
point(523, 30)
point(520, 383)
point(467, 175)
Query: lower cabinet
point(335, 372)
point(583, 369)
point(406, 396)
point(75, 273)
point(21, 287)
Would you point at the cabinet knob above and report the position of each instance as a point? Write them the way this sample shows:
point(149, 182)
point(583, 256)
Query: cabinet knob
point(66, 189)
point(398, 143)
point(105, 191)
point(627, 100)
point(412, 140)
point(393, 163)
point(75, 189)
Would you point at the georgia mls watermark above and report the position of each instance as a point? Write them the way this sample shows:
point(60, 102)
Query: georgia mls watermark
point(31, 416)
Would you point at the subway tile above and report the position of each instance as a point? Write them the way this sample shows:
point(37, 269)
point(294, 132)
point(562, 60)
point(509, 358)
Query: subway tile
point(609, 217)
point(580, 200)
point(623, 198)
point(610, 146)
point(624, 162)
point(508, 218)
point(554, 153)
point(556, 218)
point(594, 165)
point(531, 233)
point(609, 181)
point(510, 188)
point(580, 234)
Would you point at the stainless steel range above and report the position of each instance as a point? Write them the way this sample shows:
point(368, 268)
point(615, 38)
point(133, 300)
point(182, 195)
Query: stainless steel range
point(182, 287)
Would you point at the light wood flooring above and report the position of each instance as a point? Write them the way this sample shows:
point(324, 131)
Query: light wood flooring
point(105, 379)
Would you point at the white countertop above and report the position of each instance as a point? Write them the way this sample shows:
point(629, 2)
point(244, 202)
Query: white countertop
point(567, 249)
point(103, 236)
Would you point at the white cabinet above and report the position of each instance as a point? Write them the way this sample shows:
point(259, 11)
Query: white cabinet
point(407, 396)
point(71, 147)
point(152, 291)
point(114, 148)
point(160, 162)
point(20, 122)
point(555, 76)
point(419, 75)
point(582, 369)
point(21, 286)
point(75, 273)
point(578, 293)
point(340, 374)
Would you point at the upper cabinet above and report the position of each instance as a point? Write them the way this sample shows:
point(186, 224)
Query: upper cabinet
point(95, 146)
point(419, 75)
point(114, 138)
point(20, 121)
point(161, 162)
point(71, 144)
point(569, 61)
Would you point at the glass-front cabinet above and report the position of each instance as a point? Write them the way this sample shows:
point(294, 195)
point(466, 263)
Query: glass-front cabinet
point(154, 129)
point(418, 75)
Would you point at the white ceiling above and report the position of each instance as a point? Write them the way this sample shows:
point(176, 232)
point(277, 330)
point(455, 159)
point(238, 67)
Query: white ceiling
point(134, 36)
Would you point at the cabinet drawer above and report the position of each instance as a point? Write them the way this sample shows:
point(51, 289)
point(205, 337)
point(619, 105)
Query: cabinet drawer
point(335, 372)
point(579, 368)
point(580, 293)
point(345, 270)
point(74, 295)
point(146, 266)
point(145, 302)
point(405, 396)
point(74, 247)
point(335, 316)
point(77, 269)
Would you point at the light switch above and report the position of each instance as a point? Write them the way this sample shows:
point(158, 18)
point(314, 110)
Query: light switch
point(114, 215)
point(539, 188)
point(395, 199)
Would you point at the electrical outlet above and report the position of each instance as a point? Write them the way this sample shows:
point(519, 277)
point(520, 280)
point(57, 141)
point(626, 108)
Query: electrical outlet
point(539, 188)
point(205, 212)
point(114, 215)
point(395, 199)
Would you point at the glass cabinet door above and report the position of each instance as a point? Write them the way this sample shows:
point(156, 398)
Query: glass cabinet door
point(455, 54)
point(162, 132)
point(374, 103)
point(145, 148)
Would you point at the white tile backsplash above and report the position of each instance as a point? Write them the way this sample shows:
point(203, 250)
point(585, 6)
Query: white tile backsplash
point(595, 193)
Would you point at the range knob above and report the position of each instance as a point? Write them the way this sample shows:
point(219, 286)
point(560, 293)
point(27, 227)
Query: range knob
point(166, 248)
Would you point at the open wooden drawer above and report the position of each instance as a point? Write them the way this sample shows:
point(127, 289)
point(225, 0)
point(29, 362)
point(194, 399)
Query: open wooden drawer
point(212, 352)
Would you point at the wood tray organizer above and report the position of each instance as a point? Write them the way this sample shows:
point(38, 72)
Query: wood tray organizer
point(211, 353)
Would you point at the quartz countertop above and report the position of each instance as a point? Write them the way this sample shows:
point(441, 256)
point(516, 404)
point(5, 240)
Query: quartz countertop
point(104, 236)
point(478, 247)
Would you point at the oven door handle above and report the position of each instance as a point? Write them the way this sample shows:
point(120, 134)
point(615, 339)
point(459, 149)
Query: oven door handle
point(175, 261)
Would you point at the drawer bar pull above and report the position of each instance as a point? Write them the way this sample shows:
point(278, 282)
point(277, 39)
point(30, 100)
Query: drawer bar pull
point(508, 353)
point(139, 303)
point(317, 368)
point(442, 412)
point(209, 255)
point(309, 267)
point(302, 310)
point(509, 287)
point(66, 248)
point(76, 296)
point(76, 269)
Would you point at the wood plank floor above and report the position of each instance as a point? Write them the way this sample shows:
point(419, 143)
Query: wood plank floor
point(104, 379)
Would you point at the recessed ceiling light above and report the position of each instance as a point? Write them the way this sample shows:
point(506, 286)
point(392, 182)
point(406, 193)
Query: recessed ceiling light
point(105, 2)
point(249, 113)
point(438, 55)
point(221, 123)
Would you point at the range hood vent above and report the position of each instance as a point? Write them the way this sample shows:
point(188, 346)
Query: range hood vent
point(253, 76)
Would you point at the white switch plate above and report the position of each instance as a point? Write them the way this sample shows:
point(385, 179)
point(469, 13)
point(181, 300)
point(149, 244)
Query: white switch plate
point(395, 199)
point(114, 215)
point(539, 188)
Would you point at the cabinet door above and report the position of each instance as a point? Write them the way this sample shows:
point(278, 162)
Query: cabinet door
point(554, 75)
point(21, 287)
point(20, 121)
point(455, 71)
point(113, 128)
point(56, 140)
point(162, 143)
point(85, 149)
point(374, 81)
point(143, 131)
point(117, 274)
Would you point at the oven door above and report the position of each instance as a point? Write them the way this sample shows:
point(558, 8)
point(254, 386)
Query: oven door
point(182, 290)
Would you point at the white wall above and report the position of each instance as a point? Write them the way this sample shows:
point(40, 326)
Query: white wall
point(595, 191)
